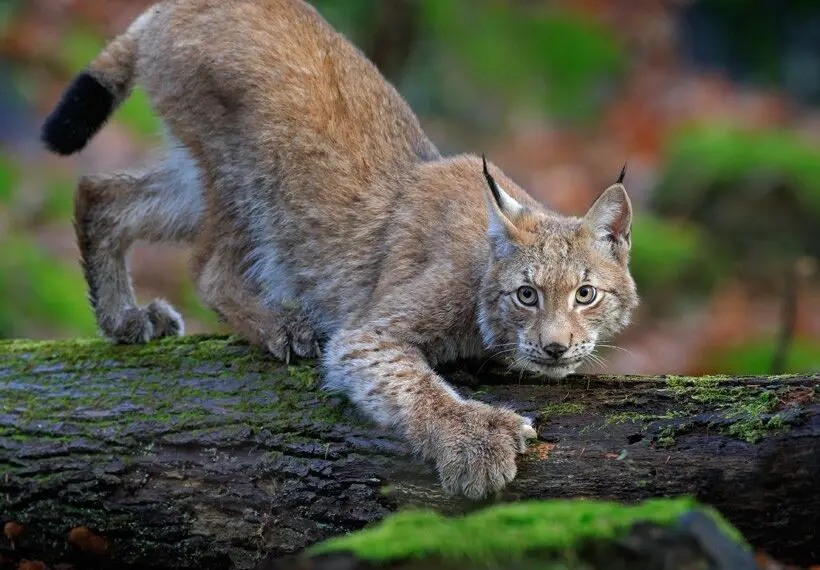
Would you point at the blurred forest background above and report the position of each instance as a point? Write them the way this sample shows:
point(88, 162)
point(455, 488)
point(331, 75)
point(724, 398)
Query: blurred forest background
point(714, 103)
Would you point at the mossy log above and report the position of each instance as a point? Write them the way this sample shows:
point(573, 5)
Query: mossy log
point(205, 453)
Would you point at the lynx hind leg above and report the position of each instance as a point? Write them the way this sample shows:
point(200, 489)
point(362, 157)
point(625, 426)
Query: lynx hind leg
point(281, 328)
point(111, 213)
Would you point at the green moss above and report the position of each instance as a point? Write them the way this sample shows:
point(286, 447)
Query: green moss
point(704, 389)
point(165, 353)
point(621, 417)
point(666, 437)
point(304, 373)
point(748, 408)
point(187, 383)
point(755, 420)
point(562, 409)
point(510, 530)
point(756, 428)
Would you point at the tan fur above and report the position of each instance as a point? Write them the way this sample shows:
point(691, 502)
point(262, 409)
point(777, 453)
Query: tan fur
point(325, 213)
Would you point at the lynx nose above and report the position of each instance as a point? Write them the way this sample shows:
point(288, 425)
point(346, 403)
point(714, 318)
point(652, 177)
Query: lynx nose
point(555, 350)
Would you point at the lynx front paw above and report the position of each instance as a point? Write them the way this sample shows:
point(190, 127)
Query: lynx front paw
point(142, 324)
point(477, 449)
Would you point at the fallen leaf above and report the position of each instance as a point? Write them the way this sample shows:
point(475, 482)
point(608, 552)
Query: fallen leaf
point(542, 450)
point(79, 534)
point(32, 565)
point(12, 530)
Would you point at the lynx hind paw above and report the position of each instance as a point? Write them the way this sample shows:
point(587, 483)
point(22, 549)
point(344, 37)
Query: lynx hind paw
point(166, 320)
point(478, 452)
point(295, 336)
point(303, 339)
point(143, 324)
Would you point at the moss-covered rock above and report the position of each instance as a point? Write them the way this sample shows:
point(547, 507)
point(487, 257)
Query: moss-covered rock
point(661, 534)
point(504, 532)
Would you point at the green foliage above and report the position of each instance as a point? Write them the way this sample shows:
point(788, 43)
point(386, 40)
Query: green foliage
point(79, 46)
point(754, 36)
point(501, 45)
point(756, 193)
point(9, 178)
point(663, 252)
point(192, 305)
point(38, 290)
point(703, 157)
point(58, 203)
point(136, 114)
point(354, 18)
point(8, 13)
point(756, 357)
point(57, 194)
point(510, 530)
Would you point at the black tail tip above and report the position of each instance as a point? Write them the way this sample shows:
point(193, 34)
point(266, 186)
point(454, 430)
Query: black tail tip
point(83, 109)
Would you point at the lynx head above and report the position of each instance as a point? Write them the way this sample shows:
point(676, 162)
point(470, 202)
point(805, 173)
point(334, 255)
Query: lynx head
point(555, 285)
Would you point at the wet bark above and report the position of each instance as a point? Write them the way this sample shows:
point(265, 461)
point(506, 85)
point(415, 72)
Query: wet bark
point(205, 453)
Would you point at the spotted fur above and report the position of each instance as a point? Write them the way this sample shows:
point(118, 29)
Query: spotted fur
point(320, 212)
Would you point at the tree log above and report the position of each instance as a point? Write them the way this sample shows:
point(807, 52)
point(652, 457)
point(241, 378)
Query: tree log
point(206, 453)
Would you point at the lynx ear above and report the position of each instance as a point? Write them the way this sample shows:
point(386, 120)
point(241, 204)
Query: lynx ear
point(502, 211)
point(610, 218)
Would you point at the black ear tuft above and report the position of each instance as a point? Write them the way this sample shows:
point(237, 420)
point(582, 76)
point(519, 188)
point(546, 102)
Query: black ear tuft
point(622, 175)
point(491, 181)
point(83, 109)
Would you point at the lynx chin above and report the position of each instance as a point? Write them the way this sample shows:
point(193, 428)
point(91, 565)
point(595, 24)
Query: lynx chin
point(320, 214)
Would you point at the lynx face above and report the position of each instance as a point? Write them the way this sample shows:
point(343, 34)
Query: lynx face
point(557, 285)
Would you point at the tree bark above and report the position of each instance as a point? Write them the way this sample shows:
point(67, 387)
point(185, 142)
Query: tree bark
point(206, 453)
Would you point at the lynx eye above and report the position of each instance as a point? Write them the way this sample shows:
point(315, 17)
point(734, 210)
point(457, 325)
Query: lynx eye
point(527, 295)
point(585, 294)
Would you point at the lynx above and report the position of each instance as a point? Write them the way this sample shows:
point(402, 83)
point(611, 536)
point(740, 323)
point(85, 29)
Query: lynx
point(321, 217)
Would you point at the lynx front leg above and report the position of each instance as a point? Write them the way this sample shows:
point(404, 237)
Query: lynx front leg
point(473, 445)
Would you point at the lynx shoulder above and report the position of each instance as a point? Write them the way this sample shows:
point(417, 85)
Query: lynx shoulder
point(322, 218)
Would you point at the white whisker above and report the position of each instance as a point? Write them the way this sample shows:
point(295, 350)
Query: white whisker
point(516, 362)
point(629, 352)
point(494, 355)
point(597, 360)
